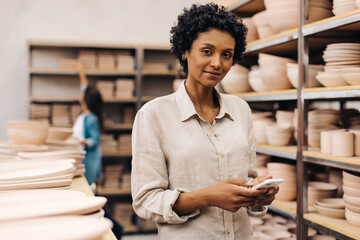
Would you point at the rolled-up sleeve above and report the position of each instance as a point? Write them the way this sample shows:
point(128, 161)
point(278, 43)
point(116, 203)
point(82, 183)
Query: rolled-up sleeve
point(149, 177)
point(256, 211)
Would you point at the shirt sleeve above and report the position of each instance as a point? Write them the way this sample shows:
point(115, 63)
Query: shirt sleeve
point(93, 132)
point(149, 176)
point(255, 211)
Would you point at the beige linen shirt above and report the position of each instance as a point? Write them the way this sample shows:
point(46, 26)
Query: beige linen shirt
point(175, 151)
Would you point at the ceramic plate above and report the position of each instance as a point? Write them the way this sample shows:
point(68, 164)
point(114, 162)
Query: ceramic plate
point(22, 171)
point(60, 177)
point(57, 207)
point(56, 228)
point(35, 185)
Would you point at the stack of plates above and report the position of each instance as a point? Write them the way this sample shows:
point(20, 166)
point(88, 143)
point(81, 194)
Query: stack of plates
point(125, 143)
point(343, 6)
point(75, 111)
point(53, 228)
point(112, 175)
point(106, 88)
point(53, 156)
point(338, 56)
point(60, 115)
point(320, 190)
point(351, 197)
point(332, 207)
point(124, 60)
point(124, 88)
point(88, 58)
point(35, 174)
point(106, 60)
point(68, 63)
point(128, 114)
point(40, 112)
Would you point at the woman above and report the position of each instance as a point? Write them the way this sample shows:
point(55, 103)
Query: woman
point(88, 126)
point(193, 151)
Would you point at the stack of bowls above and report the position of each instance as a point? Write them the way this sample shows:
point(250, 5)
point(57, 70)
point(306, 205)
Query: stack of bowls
point(260, 129)
point(236, 80)
point(343, 6)
point(320, 120)
point(279, 10)
point(278, 134)
point(273, 71)
point(284, 117)
point(252, 32)
point(331, 207)
point(287, 190)
point(320, 190)
point(263, 28)
point(292, 71)
point(261, 162)
point(27, 132)
point(351, 197)
point(351, 75)
point(255, 80)
point(338, 56)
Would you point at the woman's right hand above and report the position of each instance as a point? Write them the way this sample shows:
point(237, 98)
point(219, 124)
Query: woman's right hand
point(232, 194)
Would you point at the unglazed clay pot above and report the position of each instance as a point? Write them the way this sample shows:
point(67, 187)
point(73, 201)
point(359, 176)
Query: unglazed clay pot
point(342, 144)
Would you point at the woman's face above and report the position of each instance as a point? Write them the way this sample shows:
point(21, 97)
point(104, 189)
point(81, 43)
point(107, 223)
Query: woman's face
point(210, 57)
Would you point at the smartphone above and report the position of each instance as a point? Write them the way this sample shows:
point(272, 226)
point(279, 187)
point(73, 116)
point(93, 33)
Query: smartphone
point(269, 183)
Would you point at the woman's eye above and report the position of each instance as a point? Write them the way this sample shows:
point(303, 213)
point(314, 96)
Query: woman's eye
point(227, 55)
point(206, 51)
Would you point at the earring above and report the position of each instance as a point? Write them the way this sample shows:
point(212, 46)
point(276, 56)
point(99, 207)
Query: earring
point(183, 58)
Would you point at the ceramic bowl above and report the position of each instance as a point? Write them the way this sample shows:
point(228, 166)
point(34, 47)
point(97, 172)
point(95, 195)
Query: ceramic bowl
point(354, 201)
point(286, 194)
point(345, 8)
point(353, 208)
point(352, 218)
point(266, 60)
point(353, 177)
point(27, 132)
point(330, 212)
point(59, 133)
point(352, 192)
point(351, 184)
point(275, 80)
point(352, 78)
point(331, 203)
point(331, 79)
point(252, 32)
point(257, 84)
point(265, 31)
point(236, 80)
point(322, 187)
point(278, 139)
point(293, 74)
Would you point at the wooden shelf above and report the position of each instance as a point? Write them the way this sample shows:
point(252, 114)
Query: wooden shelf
point(113, 191)
point(348, 163)
point(114, 154)
point(288, 94)
point(121, 100)
point(288, 152)
point(59, 71)
point(287, 208)
point(334, 225)
point(54, 99)
point(119, 126)
point(159, 72)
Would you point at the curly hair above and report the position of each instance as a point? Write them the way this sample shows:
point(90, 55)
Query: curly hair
point(201, 18)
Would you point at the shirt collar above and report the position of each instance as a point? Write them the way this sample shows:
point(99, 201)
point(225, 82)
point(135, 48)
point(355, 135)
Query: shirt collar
point(187, 108)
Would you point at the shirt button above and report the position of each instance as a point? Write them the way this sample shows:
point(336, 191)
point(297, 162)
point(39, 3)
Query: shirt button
point(216, 135)
point(228, 232)
point(221, 155)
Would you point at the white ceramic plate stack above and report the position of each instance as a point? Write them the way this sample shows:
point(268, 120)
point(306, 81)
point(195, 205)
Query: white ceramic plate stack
point(53, 156)
point(351, 75)
point(55, 228)
point(287, 190)
point(34, 175)
point(320, 190)
point(252, 32)
point(338, 56)
point(236, 80)
point(343, 6)
point(293, 73)
point(331, 207)
point(262, 26)
point(351, 197)
point(255, 80)
point(273, 71)
point(279, 10)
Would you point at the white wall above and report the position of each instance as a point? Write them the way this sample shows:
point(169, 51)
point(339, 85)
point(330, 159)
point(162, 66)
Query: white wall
point(137, 21)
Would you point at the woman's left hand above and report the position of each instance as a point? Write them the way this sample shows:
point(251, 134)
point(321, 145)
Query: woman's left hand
point(268, 197)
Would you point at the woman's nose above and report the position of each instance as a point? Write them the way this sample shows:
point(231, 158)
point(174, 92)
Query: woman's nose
point(215, 61)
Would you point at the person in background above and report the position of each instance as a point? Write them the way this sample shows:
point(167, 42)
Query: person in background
point(88, 126)
point(194, 157)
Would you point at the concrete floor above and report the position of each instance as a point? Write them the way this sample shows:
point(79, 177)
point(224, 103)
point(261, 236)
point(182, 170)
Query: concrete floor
point(141, 237)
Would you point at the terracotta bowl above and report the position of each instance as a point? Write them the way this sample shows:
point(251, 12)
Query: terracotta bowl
point(352, 192)
point(330, 212)
point(331, 203)
point(59, 133)
point(352, 218)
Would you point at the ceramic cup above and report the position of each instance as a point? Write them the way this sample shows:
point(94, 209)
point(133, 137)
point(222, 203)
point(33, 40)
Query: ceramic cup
point(342, 144)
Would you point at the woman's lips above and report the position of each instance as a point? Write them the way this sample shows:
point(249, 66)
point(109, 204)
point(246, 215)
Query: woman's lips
point(213, 74)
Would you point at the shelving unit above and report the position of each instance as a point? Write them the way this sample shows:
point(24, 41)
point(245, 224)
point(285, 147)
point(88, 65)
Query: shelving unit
point(311, 37)
point(51, 84)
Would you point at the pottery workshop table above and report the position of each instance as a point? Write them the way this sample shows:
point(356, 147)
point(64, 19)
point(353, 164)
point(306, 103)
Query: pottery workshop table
point(80, 184)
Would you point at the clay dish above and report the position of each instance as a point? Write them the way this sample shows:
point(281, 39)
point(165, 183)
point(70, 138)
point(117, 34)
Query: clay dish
point(352, 218)
point(351, 177)
point(331, 203)
point(352, 192)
